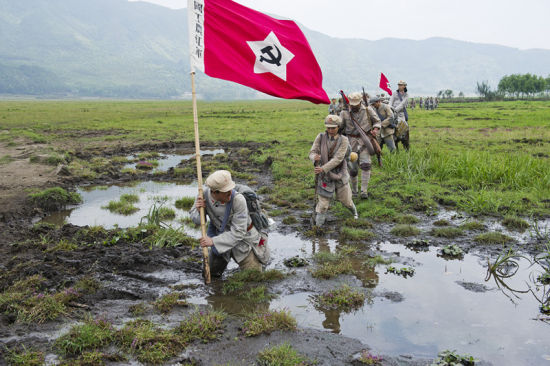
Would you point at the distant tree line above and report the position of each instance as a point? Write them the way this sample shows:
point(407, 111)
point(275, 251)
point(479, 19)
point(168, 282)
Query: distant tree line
point(516, 86)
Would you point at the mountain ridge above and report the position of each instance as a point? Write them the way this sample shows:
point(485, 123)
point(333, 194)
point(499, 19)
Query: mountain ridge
point(120, 49)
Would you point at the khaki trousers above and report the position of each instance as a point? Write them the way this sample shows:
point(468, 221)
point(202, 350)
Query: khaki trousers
point(343, 194)
point(218, 264)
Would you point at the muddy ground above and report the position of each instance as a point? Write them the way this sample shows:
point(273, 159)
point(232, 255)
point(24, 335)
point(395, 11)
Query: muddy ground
point(129, 273)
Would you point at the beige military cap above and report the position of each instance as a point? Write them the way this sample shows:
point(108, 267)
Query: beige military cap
point(221, 181)
point(401, 82)
point(355, 98)
point(333, 120)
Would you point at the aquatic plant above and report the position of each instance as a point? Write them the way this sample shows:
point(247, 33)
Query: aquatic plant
point(451, 358)
point(295, 261)
point(452, 250)
point(404, 271)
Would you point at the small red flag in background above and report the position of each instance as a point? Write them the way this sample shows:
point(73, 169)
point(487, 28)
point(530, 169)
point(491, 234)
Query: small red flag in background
point(385, 83)
point(232, 42)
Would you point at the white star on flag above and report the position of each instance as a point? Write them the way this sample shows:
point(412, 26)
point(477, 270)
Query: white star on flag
point(271, 56)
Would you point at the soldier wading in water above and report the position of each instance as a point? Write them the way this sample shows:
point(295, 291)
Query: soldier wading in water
point(328, 154)
point(231, 232)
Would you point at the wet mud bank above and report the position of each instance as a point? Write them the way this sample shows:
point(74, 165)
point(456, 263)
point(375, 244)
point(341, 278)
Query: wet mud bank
point(418, 300)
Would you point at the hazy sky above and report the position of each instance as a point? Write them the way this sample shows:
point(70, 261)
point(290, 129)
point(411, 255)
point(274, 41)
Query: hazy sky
point(521, 24)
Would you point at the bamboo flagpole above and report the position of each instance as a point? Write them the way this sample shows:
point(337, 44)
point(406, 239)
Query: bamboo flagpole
point(206, 265)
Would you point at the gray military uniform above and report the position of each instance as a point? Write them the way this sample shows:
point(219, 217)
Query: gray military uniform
point(240, 238)
point(335, 177)
point(365, 119)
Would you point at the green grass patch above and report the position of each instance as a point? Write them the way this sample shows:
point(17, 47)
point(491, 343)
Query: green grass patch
point(121, 207)
point(515, 223)
point(170, 237)
point(129, 198)
point(358, 223)
point(267, 322)
point(6, 159)
point(405, 230)
point(343, 298)
point(442, 222)
point(355, 234)
point(63, 245)
point(167, 302)
point(31, 303)
point(149, 343)
point(138, 309)
point(166, 213)
point(203, 326)
point(289, 220)
point(23, 357)
point(447, 232)
point(91, 335)
point(493, 238)
point(239, 284)
point(282, 355)
point(473, 226)
point(185, 203)
point(330, 270)
point(406, 219)
point(55, 198)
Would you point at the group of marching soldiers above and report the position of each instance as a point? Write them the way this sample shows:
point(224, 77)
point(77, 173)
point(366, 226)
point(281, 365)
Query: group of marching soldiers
point(428, 103)
point(356, 128)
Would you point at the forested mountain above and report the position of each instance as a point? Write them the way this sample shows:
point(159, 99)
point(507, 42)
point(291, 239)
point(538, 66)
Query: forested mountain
point(121, 49)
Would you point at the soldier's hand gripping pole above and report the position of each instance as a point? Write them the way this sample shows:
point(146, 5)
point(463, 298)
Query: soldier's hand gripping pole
point(206, 265)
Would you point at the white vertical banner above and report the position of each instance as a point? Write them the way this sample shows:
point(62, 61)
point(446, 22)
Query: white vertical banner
point(195, 14)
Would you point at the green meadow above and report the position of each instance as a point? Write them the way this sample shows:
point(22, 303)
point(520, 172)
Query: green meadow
point(478, 158)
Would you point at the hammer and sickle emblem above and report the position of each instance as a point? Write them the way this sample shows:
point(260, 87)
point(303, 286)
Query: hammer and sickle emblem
point(268, 51)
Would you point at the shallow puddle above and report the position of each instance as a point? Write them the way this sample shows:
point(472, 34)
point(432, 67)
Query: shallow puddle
point(167, 161)
point(446, 304)
point(91, 211)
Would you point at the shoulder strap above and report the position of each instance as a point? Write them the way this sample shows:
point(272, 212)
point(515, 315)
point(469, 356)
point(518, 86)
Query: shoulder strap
point(227, 212)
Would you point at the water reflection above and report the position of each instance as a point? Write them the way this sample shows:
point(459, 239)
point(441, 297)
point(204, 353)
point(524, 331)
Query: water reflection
point(91, 211)
point(167, 161)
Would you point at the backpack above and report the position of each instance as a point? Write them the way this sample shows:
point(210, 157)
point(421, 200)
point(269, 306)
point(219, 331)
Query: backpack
point(259, 218)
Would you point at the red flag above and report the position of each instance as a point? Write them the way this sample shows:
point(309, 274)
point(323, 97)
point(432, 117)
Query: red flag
point(232, 42)
point(385, 83)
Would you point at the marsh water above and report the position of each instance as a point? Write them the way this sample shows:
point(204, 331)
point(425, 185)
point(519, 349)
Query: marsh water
point(446, 304)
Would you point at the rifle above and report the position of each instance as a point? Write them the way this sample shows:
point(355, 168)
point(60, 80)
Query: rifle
point(365, 97)
point(362, 133)
point(373, 141)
